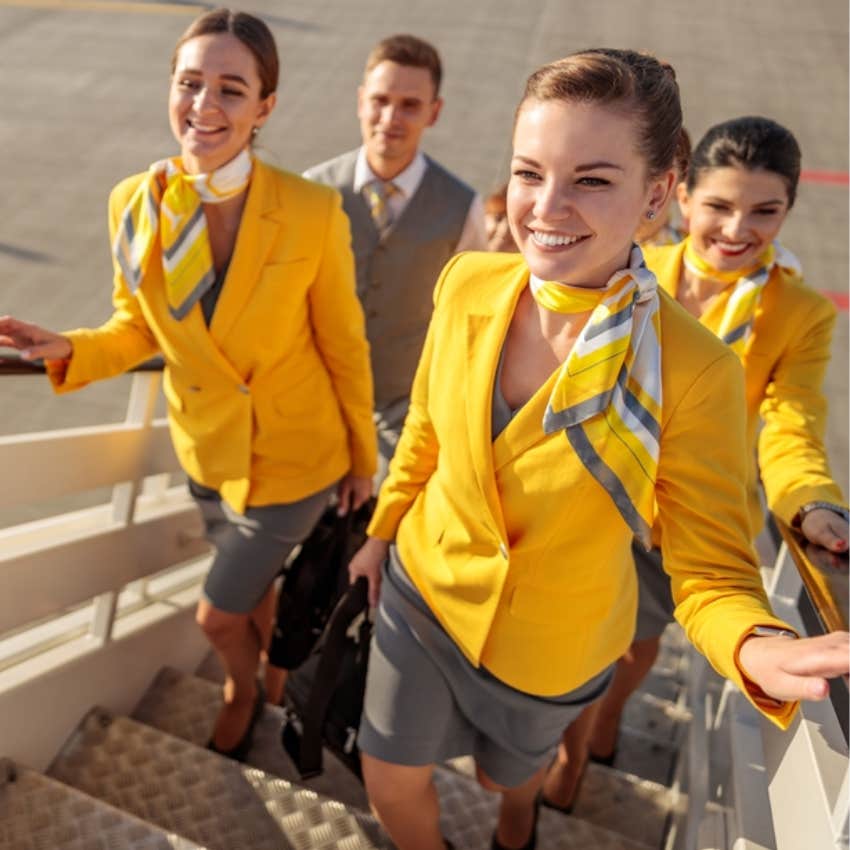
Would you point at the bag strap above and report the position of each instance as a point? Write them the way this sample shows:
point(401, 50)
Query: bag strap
point(352, 603)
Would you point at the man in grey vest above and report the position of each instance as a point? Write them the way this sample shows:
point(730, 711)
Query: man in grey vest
point(408, 216)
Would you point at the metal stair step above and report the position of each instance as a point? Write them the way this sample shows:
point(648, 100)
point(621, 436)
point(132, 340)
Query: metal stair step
point(186, 706)
point(468, 818)
point(198, 794)
point(614, 800)
point(40, 813)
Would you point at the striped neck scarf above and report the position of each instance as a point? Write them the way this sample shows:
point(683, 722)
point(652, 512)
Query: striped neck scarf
point(607, 395)
point(734, 325)
point(168, 203)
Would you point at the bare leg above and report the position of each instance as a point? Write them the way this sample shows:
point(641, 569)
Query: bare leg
point(564, 775)
point(405, 802)
point(236, 641)
point(517, 812)
point(631, 671)
point(275, 683)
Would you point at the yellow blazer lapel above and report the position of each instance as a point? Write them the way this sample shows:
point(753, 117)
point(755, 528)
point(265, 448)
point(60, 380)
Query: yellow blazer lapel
point(264, 216)
point(485, 336)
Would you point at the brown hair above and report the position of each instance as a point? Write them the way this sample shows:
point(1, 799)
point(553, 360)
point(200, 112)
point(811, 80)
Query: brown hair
point(753, 143)
point(636, 82)
point(251, 31)
point(410, 51)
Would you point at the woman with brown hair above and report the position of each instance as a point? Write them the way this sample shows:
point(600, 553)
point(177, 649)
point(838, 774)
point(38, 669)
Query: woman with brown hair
point(562, 406)
point(242, 277)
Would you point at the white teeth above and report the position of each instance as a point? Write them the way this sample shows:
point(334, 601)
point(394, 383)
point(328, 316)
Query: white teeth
point(553, 240)
point(732, 246)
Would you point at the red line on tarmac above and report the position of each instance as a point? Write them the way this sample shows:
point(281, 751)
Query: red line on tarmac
point(833, 178)
point(840, 299)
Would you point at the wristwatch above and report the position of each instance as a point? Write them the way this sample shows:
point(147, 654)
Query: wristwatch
point(773, 631)
point(816, 506)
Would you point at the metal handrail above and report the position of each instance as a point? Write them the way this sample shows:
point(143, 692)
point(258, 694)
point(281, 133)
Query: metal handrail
point(14, 364)
point(825, 575)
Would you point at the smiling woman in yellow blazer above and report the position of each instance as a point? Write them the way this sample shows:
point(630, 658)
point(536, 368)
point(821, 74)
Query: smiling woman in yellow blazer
point(242, 277)
point(561, 406)
point(746, 288)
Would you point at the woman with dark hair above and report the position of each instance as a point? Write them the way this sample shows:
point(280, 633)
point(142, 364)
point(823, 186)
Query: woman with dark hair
point(562, 406)
point(743, 286)
point(242, 277)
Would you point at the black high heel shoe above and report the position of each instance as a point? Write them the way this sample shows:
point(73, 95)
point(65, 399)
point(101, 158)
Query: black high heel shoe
point(240, 751)
point(531, 844)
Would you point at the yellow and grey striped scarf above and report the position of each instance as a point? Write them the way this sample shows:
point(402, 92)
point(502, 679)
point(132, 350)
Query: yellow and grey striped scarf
point(169, 203)
point(731, 317)
point(607, 396)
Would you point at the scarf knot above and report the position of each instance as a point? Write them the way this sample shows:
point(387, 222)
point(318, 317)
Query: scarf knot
point(734, 326)
point(168, 204)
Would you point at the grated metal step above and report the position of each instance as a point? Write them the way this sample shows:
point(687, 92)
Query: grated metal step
point(186, 707)
point(39, 813)
point(198, 794)
point(468, 817)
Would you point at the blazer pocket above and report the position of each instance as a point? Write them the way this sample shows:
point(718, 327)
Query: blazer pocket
point(546, 606)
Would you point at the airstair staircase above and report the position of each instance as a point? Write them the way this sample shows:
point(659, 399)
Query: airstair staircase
point(147, 781)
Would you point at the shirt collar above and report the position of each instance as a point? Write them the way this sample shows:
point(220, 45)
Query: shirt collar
point(407, 182)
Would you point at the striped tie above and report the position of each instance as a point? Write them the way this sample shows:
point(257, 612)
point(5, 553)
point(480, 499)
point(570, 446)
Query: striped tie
point(378, 194)
point(734, 325)
point(169, 203)
point(607, 396)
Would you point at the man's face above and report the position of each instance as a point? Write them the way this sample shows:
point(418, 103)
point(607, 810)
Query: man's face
point(395, 104)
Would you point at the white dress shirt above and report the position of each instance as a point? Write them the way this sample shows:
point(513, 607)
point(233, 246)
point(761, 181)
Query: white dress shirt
point(473, 237)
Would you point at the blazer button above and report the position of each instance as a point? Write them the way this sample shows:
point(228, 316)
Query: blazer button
point(503, 551)
point(244, 389)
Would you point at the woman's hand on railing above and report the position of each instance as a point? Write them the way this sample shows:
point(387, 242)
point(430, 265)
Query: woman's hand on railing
point(368, 561)
point(786, 668)
point(32, 341)
point(827, 529)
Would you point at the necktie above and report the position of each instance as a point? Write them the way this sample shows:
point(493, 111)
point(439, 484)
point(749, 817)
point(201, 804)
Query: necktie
point(378, 194)
point(607, 396)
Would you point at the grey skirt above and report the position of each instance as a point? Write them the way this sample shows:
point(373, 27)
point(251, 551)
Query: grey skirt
point(655, 599)
point(426, 703)
point(250, 550)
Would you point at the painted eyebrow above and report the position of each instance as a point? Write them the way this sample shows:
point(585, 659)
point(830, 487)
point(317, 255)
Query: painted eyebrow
point(587, 166)
point(772, 202)
point(235, 78)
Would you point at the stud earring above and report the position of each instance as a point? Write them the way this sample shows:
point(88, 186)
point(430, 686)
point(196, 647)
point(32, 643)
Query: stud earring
point(650, 214)
point(254, 131)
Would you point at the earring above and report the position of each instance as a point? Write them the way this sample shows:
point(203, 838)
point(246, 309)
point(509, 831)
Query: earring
point(254, 131)
point(650, 214)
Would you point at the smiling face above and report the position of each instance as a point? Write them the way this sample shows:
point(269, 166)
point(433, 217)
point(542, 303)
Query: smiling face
point(578, 189)
point(395, 104)
point(214, 101)
point(734, 214)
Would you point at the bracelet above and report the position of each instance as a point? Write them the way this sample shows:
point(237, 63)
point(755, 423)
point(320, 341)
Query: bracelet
point(817, 506)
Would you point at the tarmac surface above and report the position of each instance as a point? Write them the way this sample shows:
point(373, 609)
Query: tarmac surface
point(83, 88)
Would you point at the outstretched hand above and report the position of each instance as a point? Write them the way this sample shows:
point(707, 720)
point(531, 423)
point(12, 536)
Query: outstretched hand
point(827, 529)
point(33, 341)
point(789, 669)
point(367, 561)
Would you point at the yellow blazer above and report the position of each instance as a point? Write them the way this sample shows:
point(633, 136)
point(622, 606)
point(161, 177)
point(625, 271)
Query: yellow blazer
point(273, 401)
point(784, 366)
point(516, 548)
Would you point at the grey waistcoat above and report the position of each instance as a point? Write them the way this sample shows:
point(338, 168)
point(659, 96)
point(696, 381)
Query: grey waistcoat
point(396, 275)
